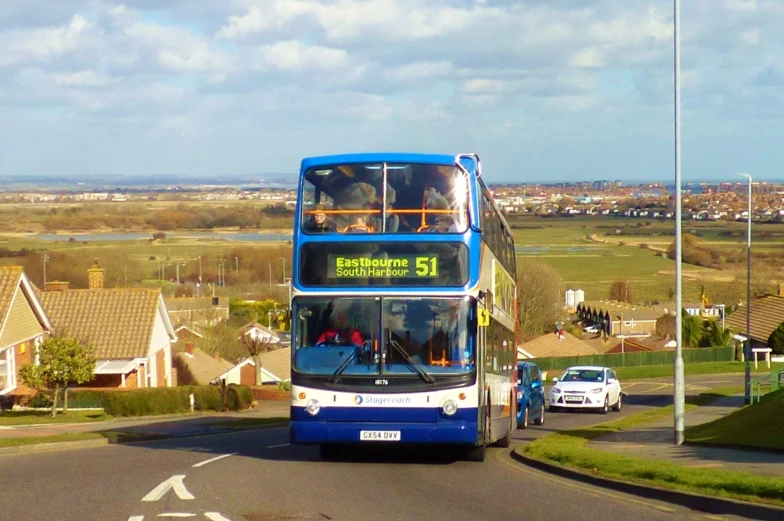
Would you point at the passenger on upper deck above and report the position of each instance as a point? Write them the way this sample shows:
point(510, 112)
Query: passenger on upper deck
point(318, 222)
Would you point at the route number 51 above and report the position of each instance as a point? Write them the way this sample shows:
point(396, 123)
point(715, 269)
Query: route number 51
point(427, 267)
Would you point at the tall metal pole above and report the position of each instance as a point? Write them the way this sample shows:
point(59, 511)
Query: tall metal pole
point(237, 263)
point(679, 398)
point(284, 269)
point(747, 349)
point(270, 274)
point(45, 258)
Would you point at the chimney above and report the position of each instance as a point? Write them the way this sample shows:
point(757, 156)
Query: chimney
point(217, 356)
point(781, 290)
point(95, 276)
point(56, 285)
point(189, 347)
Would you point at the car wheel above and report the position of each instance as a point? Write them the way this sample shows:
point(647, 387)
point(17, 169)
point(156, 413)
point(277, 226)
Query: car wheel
point(540, 420)
point(523, 423)
point(606, 407)
point(617, 406)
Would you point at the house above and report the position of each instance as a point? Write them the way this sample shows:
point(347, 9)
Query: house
point(276, 364)
point(128, 329)
point(23, 326)
point(619, 318)
point(258, 333)
point(195, 367)
point(766, 314)
point(198, 311)
point(554, 345)
point(187, 333)
point(635, 345)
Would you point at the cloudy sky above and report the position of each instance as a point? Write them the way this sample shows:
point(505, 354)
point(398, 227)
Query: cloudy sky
point(543, 90)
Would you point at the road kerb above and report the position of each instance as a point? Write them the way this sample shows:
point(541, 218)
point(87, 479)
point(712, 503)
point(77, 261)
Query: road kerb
point(698, 502)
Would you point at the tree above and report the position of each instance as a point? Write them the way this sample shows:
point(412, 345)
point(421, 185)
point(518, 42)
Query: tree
point(538, 298)
point(716, 336)
point(257, 346)
point(691, 330)
point(62, 361)
point(621, 290)
point(776, 340)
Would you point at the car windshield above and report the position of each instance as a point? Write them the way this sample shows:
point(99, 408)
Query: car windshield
point(385, 198)
point(344, 337)
point(583, 375)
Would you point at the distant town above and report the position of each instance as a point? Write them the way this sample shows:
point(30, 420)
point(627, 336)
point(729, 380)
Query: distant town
point(701, 201)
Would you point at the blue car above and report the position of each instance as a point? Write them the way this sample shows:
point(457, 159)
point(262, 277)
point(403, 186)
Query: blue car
point(530, 395)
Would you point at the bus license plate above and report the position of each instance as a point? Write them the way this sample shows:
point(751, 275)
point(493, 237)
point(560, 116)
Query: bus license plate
point(379, 435)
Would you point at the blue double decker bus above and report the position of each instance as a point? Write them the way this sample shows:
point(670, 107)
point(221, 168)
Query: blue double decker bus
point(403, 305)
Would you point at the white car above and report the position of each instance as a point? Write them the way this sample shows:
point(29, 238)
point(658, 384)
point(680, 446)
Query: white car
point(586, 387)
point(591, 329)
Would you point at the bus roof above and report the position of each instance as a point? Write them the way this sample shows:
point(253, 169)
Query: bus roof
point(378, 157)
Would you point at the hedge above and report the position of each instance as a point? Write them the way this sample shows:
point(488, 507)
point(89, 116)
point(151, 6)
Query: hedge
point(153, 401)
point(635, 359)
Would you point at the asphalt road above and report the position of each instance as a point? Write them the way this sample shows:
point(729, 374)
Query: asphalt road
point(256, 475)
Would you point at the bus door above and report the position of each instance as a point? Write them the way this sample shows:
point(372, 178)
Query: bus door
point(484, 361)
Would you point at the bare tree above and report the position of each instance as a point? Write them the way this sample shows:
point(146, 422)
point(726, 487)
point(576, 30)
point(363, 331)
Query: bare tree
point(621, 290)
point(538, 294)
point(257, 346)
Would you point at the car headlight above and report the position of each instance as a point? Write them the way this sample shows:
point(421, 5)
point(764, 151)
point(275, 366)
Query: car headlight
point(313, 407)
point(597, 390)
point(556, 390)
point(449, 407)
point(519, 395)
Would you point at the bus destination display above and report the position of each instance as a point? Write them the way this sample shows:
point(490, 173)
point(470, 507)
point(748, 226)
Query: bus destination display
point(392, 266)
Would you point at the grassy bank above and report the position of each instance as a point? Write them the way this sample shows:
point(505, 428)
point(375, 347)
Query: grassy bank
point(569, 449)
point(657, 371)
point(760, 426)
point(10, 418)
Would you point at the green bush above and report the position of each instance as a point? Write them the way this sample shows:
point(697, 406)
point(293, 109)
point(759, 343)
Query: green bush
point(42, 399)
point(240, 397)
point(207, 397)
point(86, 399)
point(144, 402)
point(284, 386)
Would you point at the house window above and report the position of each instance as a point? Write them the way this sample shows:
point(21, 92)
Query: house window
point(7, 371)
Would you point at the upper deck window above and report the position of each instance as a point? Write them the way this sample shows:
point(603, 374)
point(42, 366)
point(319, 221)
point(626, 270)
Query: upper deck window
point(385, 198)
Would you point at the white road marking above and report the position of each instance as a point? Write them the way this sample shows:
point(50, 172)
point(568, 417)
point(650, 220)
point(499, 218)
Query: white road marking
point(279, 445)
point(176, 514)
point(216, 458)
point(136, 518)
point(174, 482)
point(215, 516)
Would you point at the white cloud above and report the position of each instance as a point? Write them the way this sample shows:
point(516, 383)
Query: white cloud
point(82, 79)
point(294, 56)
point(40, 45)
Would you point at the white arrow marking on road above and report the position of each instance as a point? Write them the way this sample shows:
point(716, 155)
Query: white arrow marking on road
point(215, 516)
point(213, 459)
point(136, 518)
point(176, 514)
point(174, 482)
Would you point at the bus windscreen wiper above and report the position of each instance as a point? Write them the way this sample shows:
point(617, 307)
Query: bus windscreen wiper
point(342, 367)
point(421, 372)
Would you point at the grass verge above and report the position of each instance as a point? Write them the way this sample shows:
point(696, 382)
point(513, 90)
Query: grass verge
point(765, 420)
point(656, 371)
point(569, 449)
point(10, 418)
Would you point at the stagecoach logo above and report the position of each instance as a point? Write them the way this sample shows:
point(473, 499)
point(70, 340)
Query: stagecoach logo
point(382, 400)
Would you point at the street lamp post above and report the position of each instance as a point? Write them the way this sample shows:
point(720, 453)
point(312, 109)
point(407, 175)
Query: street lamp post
point(45, 258)
point(270, 277)
point(679, 404)
point(198, 286)
point(747, 349)
point(237, 263)
point(284, 269)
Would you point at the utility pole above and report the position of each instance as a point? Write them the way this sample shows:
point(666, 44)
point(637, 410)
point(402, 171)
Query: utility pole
point(679, 400)
point(178, 273)
point(237, 263)
point(270, 277)
point(284, 269)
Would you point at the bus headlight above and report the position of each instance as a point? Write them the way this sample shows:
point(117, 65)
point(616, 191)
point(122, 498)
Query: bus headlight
point(450, 407)
point(313, 407)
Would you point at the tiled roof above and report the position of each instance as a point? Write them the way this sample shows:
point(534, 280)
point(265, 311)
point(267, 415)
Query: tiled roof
point(203, 367)
point(278, 362)
point(551, 345)
point(766, 314)
point(117, 323)
point(9, 282)
point(615, 309)
point(264, 329)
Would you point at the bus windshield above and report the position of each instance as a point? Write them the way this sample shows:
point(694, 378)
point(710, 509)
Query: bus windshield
point(420, 337)
point(385, 198)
